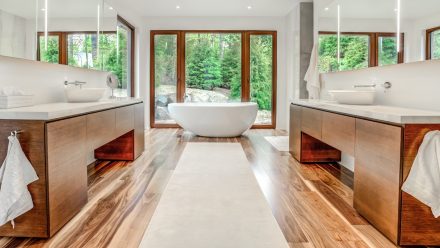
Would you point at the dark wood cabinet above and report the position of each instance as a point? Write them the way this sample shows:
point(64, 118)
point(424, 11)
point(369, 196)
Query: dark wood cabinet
point(383, 154)
point(60, 151)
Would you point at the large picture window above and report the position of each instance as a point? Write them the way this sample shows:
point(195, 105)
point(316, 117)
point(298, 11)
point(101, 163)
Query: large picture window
point(213, 66)
point(433, 43)
point(357, 51)
point(113, 52)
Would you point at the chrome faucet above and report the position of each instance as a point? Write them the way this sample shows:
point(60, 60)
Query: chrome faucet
point(386, 85)
point(76, 83)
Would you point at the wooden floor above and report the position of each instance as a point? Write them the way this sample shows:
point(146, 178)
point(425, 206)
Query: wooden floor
point(312, 203)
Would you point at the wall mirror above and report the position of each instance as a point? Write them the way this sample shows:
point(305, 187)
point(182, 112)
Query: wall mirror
point(356, 34)
point(80, 33)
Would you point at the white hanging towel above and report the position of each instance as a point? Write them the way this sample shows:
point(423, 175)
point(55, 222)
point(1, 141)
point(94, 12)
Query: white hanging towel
point(423, 181)
point(312, 76)
point(16, 173)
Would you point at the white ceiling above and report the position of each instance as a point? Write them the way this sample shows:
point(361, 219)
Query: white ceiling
point(209, 7)
point(381, 9)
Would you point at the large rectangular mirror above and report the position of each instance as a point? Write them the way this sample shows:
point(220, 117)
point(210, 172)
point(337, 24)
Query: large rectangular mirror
point(356, 34)
point(80, 33)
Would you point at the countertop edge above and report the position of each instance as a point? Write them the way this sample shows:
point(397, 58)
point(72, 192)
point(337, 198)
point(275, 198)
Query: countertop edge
point(22, 114)
point(390, 118)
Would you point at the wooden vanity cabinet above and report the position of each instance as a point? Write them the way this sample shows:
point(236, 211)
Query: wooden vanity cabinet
point(59, 151)
point(384, 154)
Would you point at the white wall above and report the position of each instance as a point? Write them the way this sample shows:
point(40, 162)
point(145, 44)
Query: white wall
point(218, 23)
point(45, 80)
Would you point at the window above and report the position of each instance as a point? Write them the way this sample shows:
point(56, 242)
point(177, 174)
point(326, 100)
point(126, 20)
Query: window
point(114, 52)
point(213, 66)
point(433, 43)
point(357, 51)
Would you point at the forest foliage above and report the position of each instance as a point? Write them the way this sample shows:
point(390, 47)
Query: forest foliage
point(214, 61)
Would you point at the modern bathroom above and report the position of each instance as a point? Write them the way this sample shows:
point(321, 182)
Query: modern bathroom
point(223, 124)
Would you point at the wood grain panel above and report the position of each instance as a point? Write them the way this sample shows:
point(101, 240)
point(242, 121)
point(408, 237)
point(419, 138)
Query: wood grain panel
point(418, 225)
point(33, 223)
point(124, 120)
point(139, 130)
point(311, 122)
point(67, 170)
point(315, 151)
point(339, 131)
point(121, 148)
point(377, 175)
point(295, 132)
point(100, 130)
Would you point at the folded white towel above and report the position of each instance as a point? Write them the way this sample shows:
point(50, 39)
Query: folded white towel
point(11, 91)
point(423, 181)
point(312, 76)
point(16, 173)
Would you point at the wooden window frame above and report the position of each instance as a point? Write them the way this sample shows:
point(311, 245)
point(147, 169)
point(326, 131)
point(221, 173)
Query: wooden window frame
point(428, 42)
point(62, 49)
point(64, 55)
point(181, 68)
point(373, 52)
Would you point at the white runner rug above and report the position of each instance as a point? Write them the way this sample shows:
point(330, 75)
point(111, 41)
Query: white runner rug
point(213, 201)
point(281, 143)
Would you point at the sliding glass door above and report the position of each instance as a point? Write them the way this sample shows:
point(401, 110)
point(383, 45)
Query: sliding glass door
point(164, 76)
point(213, 66)
point(262, 64)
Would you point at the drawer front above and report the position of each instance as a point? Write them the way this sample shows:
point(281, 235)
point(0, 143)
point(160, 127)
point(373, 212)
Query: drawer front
point(311, 122)
point(295, 132)
point(377, 175)
point(124, 120)
point(338, 131)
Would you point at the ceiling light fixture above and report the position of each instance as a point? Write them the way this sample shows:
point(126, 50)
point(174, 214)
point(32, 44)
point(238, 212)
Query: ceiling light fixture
point(249, 7)
point(110, 8)
point(326, 9)
point(178, 7)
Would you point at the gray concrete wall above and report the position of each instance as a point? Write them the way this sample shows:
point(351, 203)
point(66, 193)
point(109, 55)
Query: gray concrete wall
point(306, 44)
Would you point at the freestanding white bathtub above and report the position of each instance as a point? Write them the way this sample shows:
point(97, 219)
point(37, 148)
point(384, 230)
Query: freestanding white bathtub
point(214, 119)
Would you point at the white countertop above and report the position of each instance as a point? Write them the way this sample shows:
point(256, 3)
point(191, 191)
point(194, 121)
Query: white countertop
point(59, 110)
point(376, 112)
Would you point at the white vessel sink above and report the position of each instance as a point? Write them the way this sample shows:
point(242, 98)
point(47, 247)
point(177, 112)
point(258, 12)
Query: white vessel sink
point(76, 94)
point(353, 97)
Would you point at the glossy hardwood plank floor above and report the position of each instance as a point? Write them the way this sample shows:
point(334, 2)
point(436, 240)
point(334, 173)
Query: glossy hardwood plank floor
point(312, 203)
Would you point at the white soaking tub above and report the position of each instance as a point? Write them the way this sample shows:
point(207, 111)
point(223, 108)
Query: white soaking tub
point(214, 119)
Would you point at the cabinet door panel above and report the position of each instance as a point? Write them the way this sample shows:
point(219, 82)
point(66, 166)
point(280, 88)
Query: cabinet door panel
point(295, 132)
point(100, 130)
point(124, 120)
point(139, 131)
point(311, 122)
point(377, 175)
point(339, 131)
point(67, 171)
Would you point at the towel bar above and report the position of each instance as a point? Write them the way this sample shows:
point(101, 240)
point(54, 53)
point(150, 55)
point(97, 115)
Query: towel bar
point(15, 132)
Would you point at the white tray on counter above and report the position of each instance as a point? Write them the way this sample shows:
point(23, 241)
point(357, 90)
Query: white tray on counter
point(7, 102)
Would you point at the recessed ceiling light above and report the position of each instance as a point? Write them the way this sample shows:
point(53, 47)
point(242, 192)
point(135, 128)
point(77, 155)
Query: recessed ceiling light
point(326, 9)
point(177, 7)
point(249, 7)
point(43, 9)
point(110, 8)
